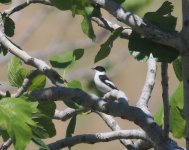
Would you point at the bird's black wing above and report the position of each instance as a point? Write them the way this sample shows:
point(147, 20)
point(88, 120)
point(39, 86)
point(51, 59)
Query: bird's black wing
point(107, 81)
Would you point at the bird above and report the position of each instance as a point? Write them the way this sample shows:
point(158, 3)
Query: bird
point(102, 82)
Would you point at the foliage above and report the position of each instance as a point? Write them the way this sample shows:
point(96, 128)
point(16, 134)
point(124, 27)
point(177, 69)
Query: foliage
point(177, 66)
point(20, 116)
point(79, 7)
point(5, 1)
point(17, 73)
point(141, 48)
point(135, 5)
point(23, 119)
point(68, 60)
point(106, 47)
point(9, 26)
point(177, 120)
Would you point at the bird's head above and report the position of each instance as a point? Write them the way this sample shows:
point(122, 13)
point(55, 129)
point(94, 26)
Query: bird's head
point(99, 68)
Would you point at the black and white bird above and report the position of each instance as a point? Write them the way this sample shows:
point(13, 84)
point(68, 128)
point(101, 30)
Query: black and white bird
point(102, 82)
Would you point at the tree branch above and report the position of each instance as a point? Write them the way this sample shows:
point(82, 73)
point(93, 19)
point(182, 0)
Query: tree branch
point(6, 145)
point(37, 63)
point(185, 72)
point(114, 126)
point(98, 137)
point(148, 86)
point(119, 109)
point(21, 6)
point(111, 27)
point(67, 113)
point(136, 23)
point(165, 96)
point(26, 83)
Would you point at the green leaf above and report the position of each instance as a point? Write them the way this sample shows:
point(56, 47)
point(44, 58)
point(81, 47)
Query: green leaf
point(74, 84)
point(16, 120)
point(59, 62)
point(40, 143)
point(166, 8)
point(47, 108)
point(141, 47)
point(71, 126)
point(43, 116)
point(68, 60)
point(78, 53)
point(177, 120)
point(158, 117)
point(87, 24)
point(62, 4)
point(136, 6)
point(16, 74)
point(106, 47)
point(177, 66)
point(79, 7)
point(9, 26)
point(3, 49)
point(37, 83)
point(162, 17)
point(5, 1)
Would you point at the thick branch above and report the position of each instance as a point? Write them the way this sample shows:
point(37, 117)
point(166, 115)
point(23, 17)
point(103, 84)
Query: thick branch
point(98, 137)
point(148, 86)
point(93, 102)
point(136, 23)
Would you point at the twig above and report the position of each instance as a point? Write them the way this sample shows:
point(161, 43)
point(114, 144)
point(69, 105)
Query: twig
point(114, 126)
point(148, 86)
point(6, 145)
point(98, 137)
point(21, 6)
point(67, 113)
point(165, 96)
point(102, 22)
point(26, 83)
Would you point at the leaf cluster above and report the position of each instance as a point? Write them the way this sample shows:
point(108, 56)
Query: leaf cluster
point(80, 7)
point(141, 48)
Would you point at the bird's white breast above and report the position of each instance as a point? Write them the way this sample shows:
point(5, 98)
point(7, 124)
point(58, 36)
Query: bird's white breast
point(99, 84)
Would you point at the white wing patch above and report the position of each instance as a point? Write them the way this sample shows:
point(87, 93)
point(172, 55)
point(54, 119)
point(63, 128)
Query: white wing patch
point(110, 82)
